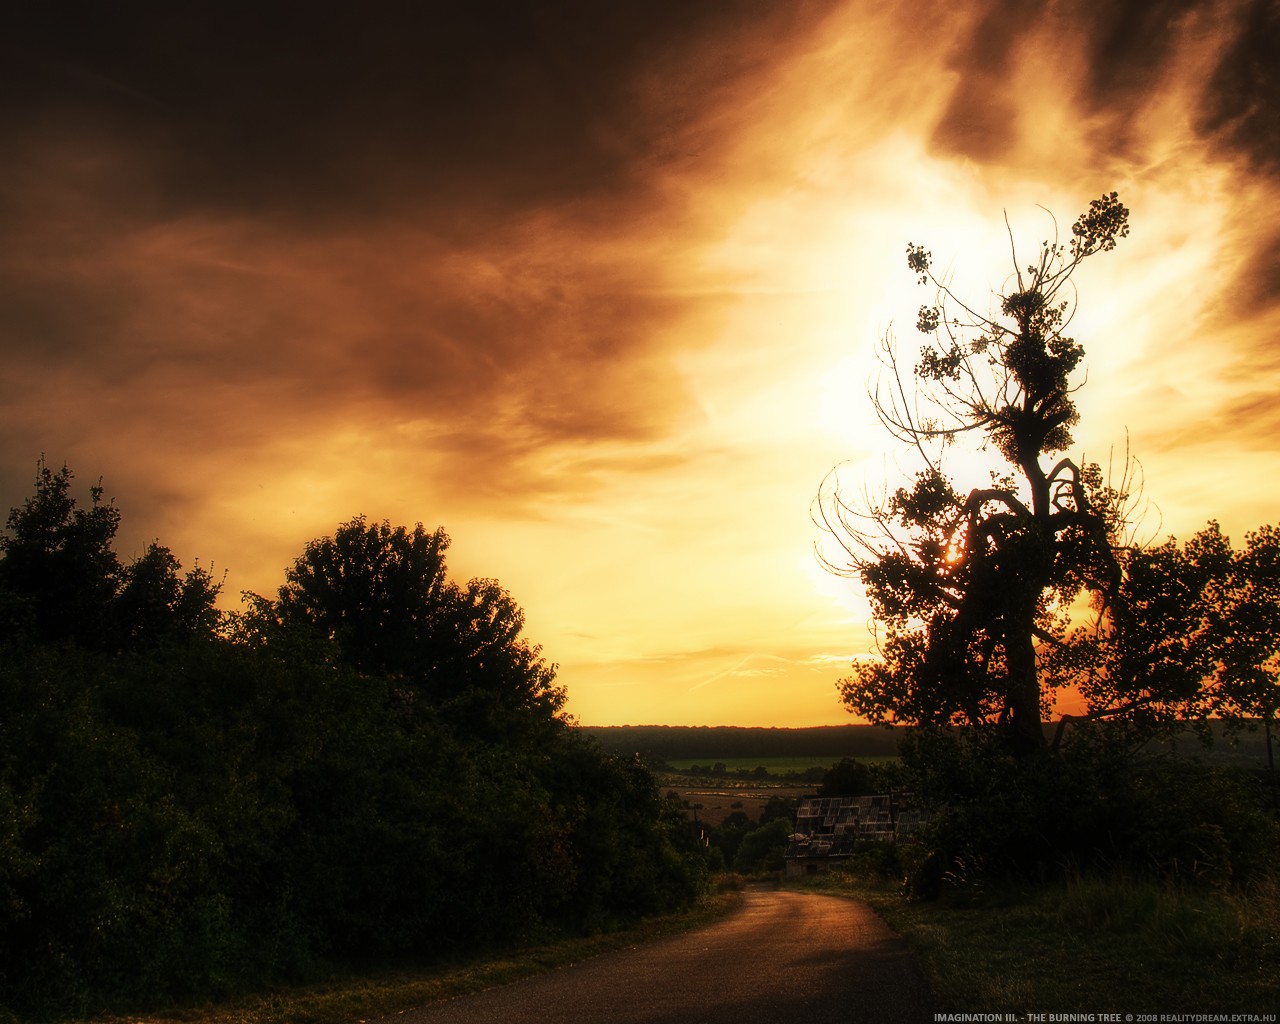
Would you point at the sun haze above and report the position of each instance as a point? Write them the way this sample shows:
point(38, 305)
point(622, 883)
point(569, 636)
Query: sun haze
point(596, 287)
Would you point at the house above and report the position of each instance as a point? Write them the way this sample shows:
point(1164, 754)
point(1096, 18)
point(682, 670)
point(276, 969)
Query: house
point(828, 827)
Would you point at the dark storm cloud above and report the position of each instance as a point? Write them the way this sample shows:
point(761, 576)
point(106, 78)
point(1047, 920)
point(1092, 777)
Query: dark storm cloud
point(225, 224)
point(1128, 48)
point(344, 109)
point(1107, 92)
point(1255, 288)
point(978, 121)
point(1133, 43)
point(1243, 99)
point(1128, 45)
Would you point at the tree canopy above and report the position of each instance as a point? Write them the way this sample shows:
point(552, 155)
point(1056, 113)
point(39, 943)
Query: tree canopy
point(1191, 634)
point(196, 804)
point(62, 581)
point(382, 596)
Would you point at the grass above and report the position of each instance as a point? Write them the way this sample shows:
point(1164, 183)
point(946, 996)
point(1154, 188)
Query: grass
point(346, 1000)
point(1089, 944)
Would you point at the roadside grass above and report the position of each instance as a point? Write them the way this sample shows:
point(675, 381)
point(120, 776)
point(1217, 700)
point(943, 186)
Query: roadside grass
point(367, 995)
point(1088, 944)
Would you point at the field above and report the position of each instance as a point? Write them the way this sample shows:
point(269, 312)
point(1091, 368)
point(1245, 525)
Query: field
point(709, 744)
point(776, 767)
point(711, 804)
point(747, 784)
point(712, 797)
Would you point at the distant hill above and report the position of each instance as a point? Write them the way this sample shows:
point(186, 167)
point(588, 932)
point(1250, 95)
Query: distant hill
point(718, 742)
point(711, 742)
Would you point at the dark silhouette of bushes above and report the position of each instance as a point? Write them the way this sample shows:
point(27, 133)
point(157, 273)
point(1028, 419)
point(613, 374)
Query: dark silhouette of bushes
point(194, 804)
point(1094, 804)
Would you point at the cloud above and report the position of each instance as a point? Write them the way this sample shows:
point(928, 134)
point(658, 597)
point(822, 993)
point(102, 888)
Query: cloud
point(1091, 83)
point(241, 331)
point(451, 225)
point(337, 113)
point(595, 285)
point(1237, 103)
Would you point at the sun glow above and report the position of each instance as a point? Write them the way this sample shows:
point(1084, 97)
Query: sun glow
point(615, 345)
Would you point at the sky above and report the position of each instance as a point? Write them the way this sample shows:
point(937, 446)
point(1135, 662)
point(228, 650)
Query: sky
point(597, 287)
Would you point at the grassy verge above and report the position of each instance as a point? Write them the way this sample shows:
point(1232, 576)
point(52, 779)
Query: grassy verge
point(361, 998)
point(1089, 945)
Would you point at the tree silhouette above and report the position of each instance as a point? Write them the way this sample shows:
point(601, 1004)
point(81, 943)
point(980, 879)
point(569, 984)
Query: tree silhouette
point(968, 587)
point(381, 595)
point(61, 580)
point(157, 604)
point(59, 569)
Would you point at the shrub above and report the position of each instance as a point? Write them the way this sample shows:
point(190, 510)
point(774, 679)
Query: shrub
point(762, 849)
point(1090, 803)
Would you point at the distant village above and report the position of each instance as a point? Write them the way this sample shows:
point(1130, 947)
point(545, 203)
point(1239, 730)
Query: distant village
point(828, 827)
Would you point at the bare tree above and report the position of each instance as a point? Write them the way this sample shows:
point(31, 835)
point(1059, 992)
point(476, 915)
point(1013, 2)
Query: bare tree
point(967, 588)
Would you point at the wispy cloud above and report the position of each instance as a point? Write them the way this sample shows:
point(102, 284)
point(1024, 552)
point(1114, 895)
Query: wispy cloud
point(595, 286)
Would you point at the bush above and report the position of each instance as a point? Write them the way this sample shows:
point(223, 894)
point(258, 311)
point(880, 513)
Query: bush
point(762, 849)
point(1090, 803)
point(189, 810)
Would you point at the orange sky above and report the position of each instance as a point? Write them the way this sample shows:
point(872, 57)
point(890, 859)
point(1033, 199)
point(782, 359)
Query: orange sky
point(596, 287)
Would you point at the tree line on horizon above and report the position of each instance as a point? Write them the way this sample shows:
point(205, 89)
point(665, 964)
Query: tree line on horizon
point(374, 764)
point(673, 742)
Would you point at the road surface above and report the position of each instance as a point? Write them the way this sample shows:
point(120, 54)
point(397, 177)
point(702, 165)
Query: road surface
point(792, 957)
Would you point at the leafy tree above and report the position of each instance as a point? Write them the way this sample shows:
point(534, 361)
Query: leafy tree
point(848, 777)
point(381, 595)
point(156, 604)
point(762, 849)
point(727, 836)
point(1143, 661)
point(61, 580)
point(977, 595)
point(185, 822)
point(1248, 638)
point(1190, 634)
point(967, 586)
point(778, 807)
point(59, 570)
point(1243, 629)
point(632, 850)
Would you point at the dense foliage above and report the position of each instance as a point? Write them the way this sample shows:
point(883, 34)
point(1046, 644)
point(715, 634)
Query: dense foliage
point(61, 581)
point(1191, 634)
point(193, 805)
point(1092, 804)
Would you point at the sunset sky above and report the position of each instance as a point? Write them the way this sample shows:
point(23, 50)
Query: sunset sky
point(596, 287)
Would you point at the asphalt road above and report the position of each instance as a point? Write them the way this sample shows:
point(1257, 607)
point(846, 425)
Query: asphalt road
point(791, 957)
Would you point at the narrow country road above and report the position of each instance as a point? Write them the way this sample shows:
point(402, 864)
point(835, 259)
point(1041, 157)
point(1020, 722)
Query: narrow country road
point(791, 957)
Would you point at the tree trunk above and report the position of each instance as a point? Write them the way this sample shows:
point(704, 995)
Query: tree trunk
point(1271, 763)
point(1024, 729)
